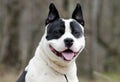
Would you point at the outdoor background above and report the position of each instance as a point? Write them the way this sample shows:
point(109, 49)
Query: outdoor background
point(22, 24)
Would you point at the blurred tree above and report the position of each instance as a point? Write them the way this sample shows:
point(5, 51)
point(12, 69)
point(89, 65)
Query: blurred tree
point(9, 44)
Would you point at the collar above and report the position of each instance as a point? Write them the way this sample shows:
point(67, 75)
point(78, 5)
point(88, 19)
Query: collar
point(66, 77)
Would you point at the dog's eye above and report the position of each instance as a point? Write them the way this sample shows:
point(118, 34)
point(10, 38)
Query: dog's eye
point(59, 31)
point(76, 34)
point(56, 32)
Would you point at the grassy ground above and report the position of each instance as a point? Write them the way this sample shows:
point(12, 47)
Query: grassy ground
point(11, 76)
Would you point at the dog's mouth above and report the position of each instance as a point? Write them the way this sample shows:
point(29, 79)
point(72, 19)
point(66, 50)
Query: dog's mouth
point(67, 54)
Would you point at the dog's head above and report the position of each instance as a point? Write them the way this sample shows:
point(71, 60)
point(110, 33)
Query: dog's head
point(64, 38)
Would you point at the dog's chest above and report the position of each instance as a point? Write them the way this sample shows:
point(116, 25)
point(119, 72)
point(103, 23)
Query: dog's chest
point(48, 76)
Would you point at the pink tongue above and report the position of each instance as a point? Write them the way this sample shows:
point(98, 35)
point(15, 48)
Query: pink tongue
point(68, 56)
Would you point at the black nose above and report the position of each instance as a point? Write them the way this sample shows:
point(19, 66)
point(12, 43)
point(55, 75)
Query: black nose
point(68, 42)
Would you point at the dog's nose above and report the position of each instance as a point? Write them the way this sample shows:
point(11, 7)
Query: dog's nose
point(68, 42)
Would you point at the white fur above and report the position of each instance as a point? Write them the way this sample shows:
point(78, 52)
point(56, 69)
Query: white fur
point(45, 66)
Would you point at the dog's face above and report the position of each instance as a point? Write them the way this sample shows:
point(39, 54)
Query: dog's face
point(64, 37)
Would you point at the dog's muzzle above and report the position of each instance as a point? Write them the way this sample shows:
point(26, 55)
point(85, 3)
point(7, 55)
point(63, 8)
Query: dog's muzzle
point(67, 54)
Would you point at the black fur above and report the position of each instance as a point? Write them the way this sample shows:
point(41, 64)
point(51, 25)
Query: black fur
point(76, 29)
point(77, 14)
point(22, 77)
point(55, 30)
point(53, 14)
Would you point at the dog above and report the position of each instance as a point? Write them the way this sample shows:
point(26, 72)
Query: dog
point(62, 42)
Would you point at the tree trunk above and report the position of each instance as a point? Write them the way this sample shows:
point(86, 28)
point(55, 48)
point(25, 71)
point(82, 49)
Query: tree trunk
point(9, 47)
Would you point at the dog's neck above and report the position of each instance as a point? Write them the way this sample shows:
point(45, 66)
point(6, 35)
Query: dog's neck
point(61, 69)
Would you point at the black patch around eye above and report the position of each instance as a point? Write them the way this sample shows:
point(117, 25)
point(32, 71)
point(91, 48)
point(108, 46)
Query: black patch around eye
point(76, 29)
point(55, 29)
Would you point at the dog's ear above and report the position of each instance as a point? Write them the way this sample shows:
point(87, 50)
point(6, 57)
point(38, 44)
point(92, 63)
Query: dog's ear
point(53, 14)
point(77, 14)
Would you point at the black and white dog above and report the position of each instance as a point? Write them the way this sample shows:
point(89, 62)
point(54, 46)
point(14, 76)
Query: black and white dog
point(62, 42)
